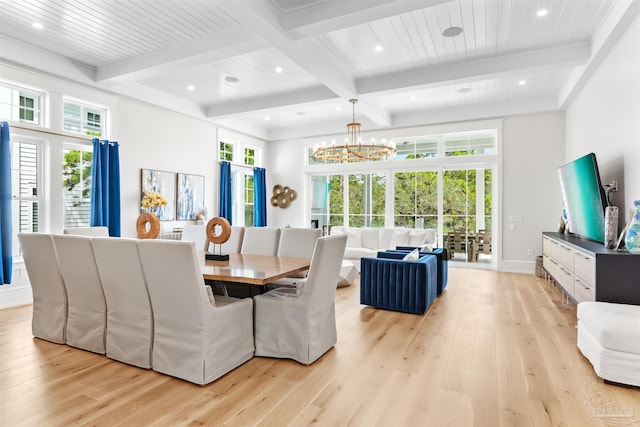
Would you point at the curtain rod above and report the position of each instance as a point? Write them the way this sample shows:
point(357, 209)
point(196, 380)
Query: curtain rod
point(88, 138)
point(238, 165)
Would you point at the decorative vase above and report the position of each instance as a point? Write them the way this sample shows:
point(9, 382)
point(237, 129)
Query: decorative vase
point(632, 239)
point(610, 226)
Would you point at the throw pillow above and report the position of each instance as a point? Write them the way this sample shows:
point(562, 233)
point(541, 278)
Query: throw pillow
point(400, 238)
point(412, 256)
point(353, 239)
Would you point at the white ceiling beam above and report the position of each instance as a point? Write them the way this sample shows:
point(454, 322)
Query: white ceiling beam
point(439, 75)
point(221, 44)
point(336, 15)
point(614, 26)
point(258, 104)
point(264, 19)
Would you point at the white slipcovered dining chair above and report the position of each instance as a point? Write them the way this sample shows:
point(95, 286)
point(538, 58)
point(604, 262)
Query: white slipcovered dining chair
point(197, 234)
point(260, 241)
point(129, 334)
point(302, 327)
point(98, 231)
point(49, 319)
point(196, 337)
point(234, 244)
point(296, 242)
point(87, 314)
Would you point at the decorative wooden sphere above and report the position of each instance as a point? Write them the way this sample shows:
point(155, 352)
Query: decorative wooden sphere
point(154, 226)
point(225, 230)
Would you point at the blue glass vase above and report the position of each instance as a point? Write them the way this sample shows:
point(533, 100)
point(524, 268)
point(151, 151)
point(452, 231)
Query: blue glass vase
point(632, 239)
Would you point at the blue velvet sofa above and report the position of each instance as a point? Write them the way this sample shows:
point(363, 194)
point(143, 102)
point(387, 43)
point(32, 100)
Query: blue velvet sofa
point(390, 283)
point(443, 263)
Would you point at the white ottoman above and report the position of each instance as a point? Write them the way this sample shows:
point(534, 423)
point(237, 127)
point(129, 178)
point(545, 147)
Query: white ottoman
point(609, 336)
point(348, 274)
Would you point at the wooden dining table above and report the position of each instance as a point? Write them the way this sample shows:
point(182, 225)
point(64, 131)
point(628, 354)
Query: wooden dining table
point(251, 269)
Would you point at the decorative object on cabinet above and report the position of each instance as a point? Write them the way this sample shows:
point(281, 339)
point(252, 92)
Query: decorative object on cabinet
point(610, 226)
point(218, 238)
point(632, 240)
point(148, 226)
point(282, 196)
point(163, 183)
point(190, 196)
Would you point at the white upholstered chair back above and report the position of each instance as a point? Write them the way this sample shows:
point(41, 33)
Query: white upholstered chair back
point(49, 295)
point(87, 314)
point(129, 334)
point(194, 338)
point(197, 234)
point(298, 242)
point(302, 327)
point(260, 241)
point(233, 245)
point(99, 231)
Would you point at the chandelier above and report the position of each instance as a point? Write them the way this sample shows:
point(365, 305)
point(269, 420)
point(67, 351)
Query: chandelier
point(353, 150)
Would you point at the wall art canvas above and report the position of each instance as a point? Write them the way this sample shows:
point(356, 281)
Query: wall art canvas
point(165, 184)
point(190, 196)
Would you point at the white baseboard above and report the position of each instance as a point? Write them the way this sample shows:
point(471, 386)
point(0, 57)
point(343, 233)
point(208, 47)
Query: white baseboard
point(16, 294)
point(511, 266)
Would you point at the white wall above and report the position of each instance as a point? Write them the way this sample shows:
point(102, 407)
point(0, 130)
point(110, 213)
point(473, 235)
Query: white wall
point(604, 118)
point(533, 148)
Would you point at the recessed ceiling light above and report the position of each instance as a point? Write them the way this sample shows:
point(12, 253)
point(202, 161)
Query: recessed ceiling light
point(452, 31)
point(413, 97)
point(278, 69)
point(37, 25)
point(301, 113)
point(267, 118)
point(522, 82)
point(191, 87)
point(231, 79)
point(464, 90)
point(542, 12)
point(338, 108)
point(379, 48)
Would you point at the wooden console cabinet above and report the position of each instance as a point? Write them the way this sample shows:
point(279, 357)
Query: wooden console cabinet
point(587, 271)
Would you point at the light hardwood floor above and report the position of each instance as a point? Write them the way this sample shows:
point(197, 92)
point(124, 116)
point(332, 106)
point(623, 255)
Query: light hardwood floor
point(496, 349)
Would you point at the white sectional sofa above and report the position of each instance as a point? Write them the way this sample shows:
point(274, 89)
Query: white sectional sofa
point(366, 242)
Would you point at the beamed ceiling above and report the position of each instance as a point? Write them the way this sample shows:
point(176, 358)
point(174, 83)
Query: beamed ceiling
point(298, 62)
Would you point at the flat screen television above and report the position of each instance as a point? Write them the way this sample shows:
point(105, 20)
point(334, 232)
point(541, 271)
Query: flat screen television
point(584, 197)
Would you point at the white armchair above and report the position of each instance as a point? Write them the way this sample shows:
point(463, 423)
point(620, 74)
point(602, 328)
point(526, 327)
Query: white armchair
point(129, 317)
point(49, 319)
point(87, 315)
point(302, 327)
point(196, 337)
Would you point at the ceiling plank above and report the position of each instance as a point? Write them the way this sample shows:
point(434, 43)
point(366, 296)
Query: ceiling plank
point(221, 44)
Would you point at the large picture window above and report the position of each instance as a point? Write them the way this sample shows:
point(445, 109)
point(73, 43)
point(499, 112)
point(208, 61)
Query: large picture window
point(76, 182)
point(26, 181)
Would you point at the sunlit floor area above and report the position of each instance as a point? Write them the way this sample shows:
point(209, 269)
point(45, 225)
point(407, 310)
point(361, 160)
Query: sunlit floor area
point(496, 349)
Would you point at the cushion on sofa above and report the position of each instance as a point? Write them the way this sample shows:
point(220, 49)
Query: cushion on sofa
point(370, 238)
point(385, 238)
point(354, 238)
point(354, 253)
point(412, 256)
point(400, 238)
point(417, 237)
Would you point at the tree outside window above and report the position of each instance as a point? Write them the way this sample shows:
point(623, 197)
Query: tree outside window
point(226, 151)
point(76, 181)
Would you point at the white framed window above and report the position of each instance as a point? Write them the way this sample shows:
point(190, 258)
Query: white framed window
point(21, 104)
point(76, 183)
point(226, 151)
point(27, 188)
point(83, 118)
point(249, 156)
point(242, 189)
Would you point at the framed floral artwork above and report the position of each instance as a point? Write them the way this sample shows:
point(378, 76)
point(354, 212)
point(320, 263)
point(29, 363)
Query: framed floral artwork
point(190, 196)
point(163, 183)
